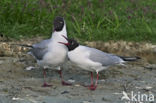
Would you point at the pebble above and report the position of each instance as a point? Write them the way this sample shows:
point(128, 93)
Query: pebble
point(30, 68)
point(64, 92)
point(71, 80)
point(151, 66)
point(14, 98)
point(86, 102)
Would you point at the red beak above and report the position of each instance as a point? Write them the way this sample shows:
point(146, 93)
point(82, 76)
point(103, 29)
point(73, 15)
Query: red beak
point(63, 42)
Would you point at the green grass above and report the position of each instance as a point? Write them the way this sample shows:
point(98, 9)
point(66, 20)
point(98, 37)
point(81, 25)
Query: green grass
point(130, 20)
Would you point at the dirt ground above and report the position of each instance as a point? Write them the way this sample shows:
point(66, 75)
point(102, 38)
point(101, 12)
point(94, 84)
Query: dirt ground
point(18, 84)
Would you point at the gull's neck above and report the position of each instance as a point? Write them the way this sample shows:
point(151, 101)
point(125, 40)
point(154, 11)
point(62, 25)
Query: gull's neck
point(62, 32)
point(57, 36)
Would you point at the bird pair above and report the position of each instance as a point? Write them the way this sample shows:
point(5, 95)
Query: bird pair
point(54, 51)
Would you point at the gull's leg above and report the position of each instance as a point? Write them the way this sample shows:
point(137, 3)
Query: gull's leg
point(97, 78)
point(93, 87)
point(44, 78)
point(63, 82)
point(91, 79)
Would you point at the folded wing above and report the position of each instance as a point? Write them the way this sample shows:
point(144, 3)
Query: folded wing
point(40, 49)
point(105, 59)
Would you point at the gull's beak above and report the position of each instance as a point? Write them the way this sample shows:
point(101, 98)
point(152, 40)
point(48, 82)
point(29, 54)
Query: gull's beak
point(65, 37)
point(63, 42)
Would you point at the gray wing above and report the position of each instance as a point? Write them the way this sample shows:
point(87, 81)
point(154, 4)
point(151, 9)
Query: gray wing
point(42, 44)
point(39, 53)
point(40, 49)
point(105, 59)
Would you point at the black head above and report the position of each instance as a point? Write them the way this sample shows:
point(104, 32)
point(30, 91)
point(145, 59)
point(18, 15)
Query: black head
point(71, 45)
point(58, 23)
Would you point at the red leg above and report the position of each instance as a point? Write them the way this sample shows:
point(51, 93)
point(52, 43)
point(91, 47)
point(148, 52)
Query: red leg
point(45, 84)
point(93, 87)
point(91, 79)
point(63, 82)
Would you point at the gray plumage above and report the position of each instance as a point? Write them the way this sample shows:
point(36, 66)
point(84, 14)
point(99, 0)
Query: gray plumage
point(104, 58)
point(42, 44)
point(39, 53)
point(40, 49)
point(37, 50)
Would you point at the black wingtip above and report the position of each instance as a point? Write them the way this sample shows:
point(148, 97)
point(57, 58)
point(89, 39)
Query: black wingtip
point(23, 45)
point(130, 58)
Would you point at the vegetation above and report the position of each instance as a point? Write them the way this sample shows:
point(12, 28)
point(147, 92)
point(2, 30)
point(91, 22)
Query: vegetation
point(131, 20)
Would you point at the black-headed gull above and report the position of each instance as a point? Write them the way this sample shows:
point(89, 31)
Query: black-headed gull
point(50, 53)
point(92, 59)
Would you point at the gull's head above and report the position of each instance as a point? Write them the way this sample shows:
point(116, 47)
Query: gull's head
point(71, 44)
point(58, 23)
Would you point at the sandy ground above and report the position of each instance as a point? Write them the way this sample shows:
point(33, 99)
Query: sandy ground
point(18, 85)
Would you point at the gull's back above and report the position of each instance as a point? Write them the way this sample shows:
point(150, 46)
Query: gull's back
point(105, 59)
point(40, 49)
point(42, 44)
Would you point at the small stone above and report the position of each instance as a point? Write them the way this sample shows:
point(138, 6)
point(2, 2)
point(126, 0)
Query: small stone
point(86, 102)
point(71, 80)
point(30, 68)
point(14, 98)
point(151, 67)
point(65, 92)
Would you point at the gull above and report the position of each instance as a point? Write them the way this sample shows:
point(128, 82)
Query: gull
point(50, 53)
point(92, 59)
